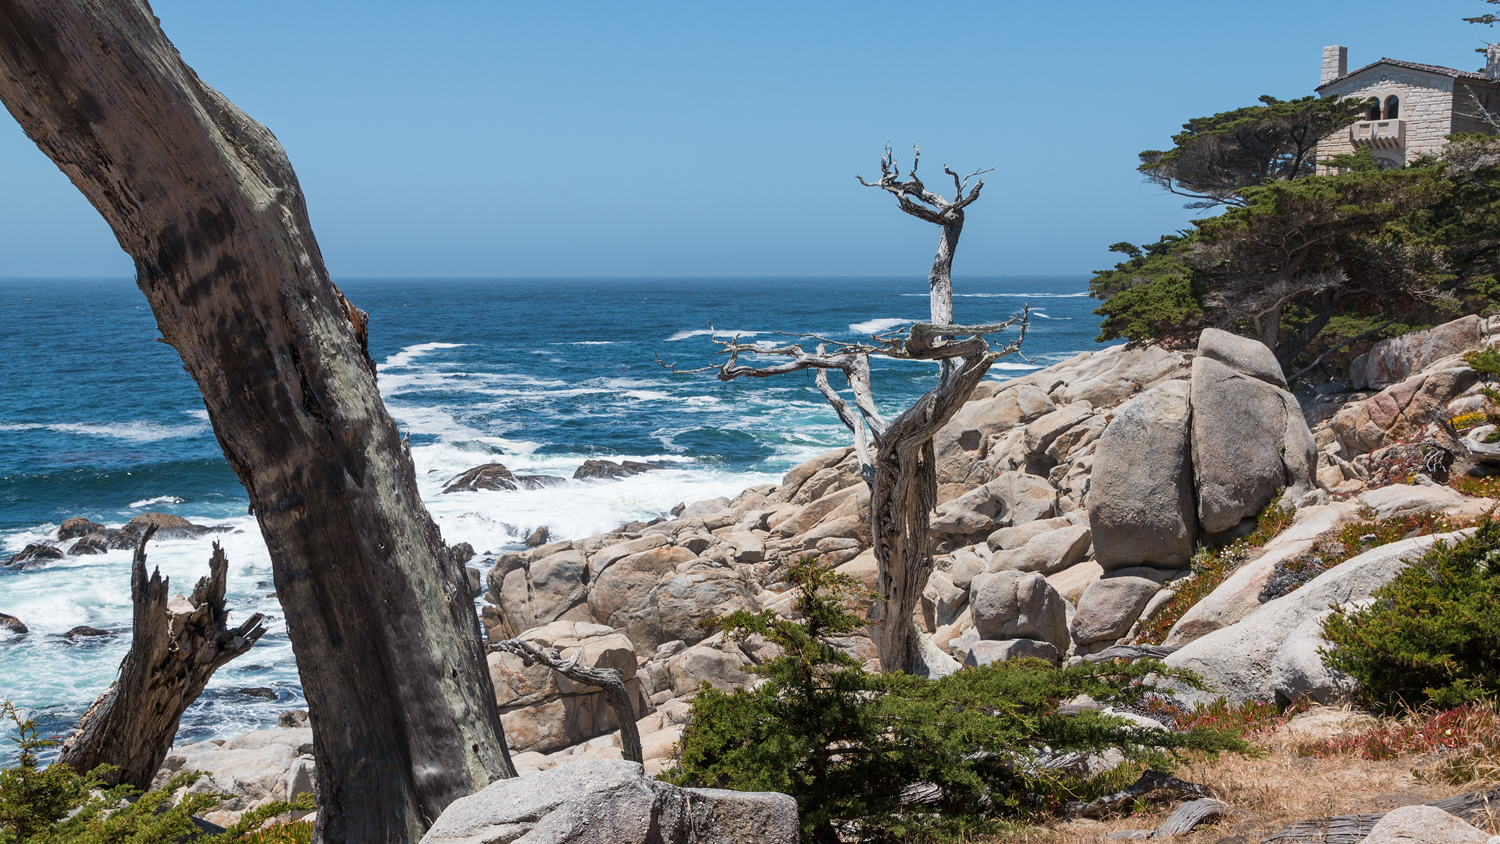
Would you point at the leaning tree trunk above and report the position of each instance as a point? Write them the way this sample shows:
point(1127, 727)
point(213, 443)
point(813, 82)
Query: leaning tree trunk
point(205, 201)
point(174, 650)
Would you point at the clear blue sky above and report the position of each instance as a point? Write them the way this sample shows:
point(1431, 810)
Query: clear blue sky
point(714, 139)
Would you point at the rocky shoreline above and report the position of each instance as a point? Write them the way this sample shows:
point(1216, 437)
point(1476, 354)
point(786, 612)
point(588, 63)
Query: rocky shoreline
point(1070, 504)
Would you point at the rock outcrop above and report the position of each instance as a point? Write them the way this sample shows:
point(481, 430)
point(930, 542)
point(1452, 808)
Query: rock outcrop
point(545, 711)
point(613, 802)
point(1270, 653)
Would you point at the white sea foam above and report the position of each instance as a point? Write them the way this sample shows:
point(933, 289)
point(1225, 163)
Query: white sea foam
point(410, 353)
point(876, 326)
point(140, 432)
point(152, 502)
point(1014, 366)
point(705, 332)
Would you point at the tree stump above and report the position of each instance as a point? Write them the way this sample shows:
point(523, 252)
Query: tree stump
point(175, 647)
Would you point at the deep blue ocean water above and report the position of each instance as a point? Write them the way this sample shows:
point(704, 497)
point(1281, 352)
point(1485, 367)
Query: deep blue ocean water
point(98, 420)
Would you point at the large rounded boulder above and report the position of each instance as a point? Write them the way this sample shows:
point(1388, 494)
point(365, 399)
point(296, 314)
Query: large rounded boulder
point(1140, 500)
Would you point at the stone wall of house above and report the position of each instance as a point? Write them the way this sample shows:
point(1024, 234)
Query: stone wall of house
point(1426, 106)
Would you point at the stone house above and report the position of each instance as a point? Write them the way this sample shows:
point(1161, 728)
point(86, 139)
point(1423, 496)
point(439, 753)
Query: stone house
point(1412, 108)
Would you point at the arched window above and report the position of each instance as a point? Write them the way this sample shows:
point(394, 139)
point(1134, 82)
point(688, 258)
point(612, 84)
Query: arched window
point(1392, 107)
point(1373, 112)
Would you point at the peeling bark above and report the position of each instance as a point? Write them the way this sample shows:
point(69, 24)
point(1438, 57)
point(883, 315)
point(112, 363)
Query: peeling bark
point(205, 201)
point(174, 650)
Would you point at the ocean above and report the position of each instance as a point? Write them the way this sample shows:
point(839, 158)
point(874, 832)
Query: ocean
point(98, 420)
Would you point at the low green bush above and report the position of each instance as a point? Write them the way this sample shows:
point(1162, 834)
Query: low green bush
point(55, 805)
point(879, 757)
point(1431, 636)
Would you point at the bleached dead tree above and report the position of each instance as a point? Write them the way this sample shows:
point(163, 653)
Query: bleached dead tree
point(897, 458)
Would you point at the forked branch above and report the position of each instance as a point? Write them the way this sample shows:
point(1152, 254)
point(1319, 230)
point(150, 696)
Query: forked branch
point(933, 207)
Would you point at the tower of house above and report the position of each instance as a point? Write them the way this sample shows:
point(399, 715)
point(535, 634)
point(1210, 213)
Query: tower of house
point(1411, 108)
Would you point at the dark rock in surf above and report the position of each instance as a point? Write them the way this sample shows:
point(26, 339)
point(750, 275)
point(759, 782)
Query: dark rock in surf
point(37, 552)
point(261, 692)
point(83, 631)
point(76, 527)
point(94, 543)
point(538, 537)
point(167, 526)
point(592, 469)
point(461, 553)
point(495, 476)
point(13, 624)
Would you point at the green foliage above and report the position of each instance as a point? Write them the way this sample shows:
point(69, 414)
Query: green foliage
point(1486, 362)
point(1213, 160)
point(1432, 634)
point(1151, 294)
point(55, 805)
point(847, 744)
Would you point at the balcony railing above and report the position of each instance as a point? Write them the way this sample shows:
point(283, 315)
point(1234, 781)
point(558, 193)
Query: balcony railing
point(1380, 134)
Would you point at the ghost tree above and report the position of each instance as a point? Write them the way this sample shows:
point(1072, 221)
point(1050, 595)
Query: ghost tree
point(205, 201)
point(897, 457)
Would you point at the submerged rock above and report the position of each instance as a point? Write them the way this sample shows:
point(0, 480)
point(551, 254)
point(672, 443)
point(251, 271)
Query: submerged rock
point(494, 476)
point(13, 624)
point(593, 469)
point(36, 552)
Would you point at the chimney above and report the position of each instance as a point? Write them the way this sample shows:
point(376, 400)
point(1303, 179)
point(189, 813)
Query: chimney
point(1336, 63)
point(1492, 62)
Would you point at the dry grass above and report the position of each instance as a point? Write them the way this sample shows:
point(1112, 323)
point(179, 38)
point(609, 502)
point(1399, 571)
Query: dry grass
point(1279, 787)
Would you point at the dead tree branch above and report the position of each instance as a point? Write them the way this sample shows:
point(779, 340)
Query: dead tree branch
point(174, 650)
point(608, 679)
point(897, 457)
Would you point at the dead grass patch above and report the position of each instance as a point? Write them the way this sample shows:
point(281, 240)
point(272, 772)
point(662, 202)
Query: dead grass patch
point(1278, 787)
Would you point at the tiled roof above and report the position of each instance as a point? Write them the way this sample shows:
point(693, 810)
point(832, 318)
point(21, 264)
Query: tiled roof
point(1429, 68)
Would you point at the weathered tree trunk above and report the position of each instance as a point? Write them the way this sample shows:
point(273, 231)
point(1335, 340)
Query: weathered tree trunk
point(608, 679)
point(205, 201)
point(174, 650)
point(902, 497)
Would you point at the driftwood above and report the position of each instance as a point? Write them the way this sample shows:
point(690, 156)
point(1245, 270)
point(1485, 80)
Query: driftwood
point(608, 679)
point(1132, 652)
point(1481, 806)
point(174, 650)
point(1151, 785)
point(902, 470)
point(205, 201)
point(1466, 454)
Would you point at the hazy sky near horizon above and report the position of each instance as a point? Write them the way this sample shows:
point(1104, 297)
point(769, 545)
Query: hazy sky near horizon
point(588, 139)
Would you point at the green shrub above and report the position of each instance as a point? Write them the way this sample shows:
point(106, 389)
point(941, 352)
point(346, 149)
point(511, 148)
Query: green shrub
point(852, 747)
point(1432, 634)
point(55, 805)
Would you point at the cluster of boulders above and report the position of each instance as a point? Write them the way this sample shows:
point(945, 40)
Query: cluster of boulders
point(79, 536)
point(1070, 504)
